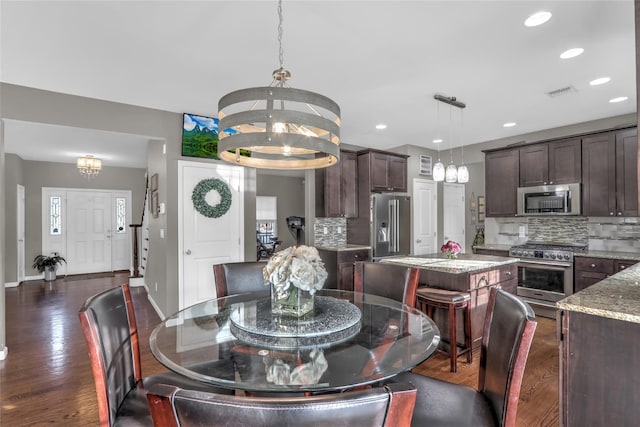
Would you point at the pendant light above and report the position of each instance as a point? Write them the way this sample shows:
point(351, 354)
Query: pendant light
point(451, 174)
point(463, 172)
point(438, 168)
point(282, 128)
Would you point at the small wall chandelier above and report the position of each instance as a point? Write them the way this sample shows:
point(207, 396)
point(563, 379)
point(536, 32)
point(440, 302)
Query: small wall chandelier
point(451, 173)
point(283, 128)
point(89, 165)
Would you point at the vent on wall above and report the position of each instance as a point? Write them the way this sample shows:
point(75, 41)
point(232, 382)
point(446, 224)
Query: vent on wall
point(425, 165)
point(562, 91)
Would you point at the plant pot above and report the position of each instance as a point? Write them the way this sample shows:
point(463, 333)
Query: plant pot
point(50, 274)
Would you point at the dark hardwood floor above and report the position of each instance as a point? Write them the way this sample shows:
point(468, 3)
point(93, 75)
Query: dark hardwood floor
point(46, 378)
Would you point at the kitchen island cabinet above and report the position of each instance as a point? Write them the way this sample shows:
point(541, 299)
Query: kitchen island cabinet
point(472, 274)
point(599, 333)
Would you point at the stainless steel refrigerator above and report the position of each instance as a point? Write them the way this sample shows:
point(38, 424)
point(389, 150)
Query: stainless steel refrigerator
point(390, 225)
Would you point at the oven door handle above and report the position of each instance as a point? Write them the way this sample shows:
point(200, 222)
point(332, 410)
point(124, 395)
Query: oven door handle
point(546, 263)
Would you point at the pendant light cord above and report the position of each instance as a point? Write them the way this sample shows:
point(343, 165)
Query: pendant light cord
point(280, 19)
point(462, 136)
point(451, 132)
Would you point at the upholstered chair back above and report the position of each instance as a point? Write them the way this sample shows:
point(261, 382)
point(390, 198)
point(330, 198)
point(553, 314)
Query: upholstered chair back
point(239, 278)
point(387, 280)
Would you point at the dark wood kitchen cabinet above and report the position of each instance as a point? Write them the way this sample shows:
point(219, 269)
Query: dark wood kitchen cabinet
point(337, 188)
point(501, 182)
point(382, 171)
point(599, 370)
point(557, 162)
point(339, 266)
point(609, 174)
point(590, 270)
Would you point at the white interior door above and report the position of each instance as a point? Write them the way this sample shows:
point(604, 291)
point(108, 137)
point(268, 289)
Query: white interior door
point(425, 217)
point(453, 211)
point(20, 232)
point(207, 241)
point(89, 232)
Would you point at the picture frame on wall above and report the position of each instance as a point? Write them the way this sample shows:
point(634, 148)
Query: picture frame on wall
point(155, 205)
point(153, 183)
point(481, 209)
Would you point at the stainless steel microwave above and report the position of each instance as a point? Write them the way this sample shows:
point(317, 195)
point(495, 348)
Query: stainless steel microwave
point(562, 199)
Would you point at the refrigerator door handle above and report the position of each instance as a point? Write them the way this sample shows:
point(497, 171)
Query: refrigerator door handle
point(393, 225)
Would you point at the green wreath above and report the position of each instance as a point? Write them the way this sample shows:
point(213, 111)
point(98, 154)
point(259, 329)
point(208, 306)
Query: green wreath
point(200, 192)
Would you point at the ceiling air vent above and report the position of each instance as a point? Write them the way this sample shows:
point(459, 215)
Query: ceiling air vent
point(562, 91)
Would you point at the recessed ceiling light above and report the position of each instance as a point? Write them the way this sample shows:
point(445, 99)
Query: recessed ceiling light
point(600, 81)
point(381, 126)
point(509, 125)
point(537, 18)
point(437, 141)
point(571, 53)
point(618, 99)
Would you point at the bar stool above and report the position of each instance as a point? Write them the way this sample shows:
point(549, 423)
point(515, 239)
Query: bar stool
point(429, 298)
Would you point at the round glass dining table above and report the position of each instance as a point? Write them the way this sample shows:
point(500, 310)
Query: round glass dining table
point(349, 340)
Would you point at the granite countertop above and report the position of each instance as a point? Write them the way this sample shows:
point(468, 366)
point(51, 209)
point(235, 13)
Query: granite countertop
point(632, 256)
point(465, 263)
point(347, 247)
point(616, 297)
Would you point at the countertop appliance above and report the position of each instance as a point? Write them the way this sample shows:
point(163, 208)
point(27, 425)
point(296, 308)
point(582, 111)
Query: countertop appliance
point(562, 199)
point(390, 225)
point(545, 273)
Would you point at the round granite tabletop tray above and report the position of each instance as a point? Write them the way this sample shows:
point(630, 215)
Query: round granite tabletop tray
point(333, 320)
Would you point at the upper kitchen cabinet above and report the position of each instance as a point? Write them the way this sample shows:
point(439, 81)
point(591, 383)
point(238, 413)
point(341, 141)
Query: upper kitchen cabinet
point(501, 182)
point(337, 188)
point(557, 162)
point(384, 171)
point(609, 174)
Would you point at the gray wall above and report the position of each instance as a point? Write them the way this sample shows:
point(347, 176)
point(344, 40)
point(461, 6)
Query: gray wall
point(290, 194)
point(13, 175)
point(36, 175)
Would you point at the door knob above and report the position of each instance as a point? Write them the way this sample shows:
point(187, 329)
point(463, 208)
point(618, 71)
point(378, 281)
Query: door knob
point(418, 241)
point(188, 252)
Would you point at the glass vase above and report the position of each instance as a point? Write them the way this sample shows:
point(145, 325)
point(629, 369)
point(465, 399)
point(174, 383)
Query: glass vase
point(292, 302)
point(452, 255)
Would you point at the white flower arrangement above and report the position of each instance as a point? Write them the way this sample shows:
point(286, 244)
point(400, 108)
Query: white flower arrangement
point(299, 266)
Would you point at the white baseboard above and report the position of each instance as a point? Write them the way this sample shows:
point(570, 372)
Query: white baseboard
point(154, 305)
point(11, 284)
point(135, 282)
point(3, 353)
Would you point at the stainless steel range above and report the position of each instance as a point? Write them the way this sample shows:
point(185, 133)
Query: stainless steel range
point(545, 274)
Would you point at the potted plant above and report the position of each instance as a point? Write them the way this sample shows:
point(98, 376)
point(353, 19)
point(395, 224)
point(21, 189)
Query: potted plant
point(48, 264)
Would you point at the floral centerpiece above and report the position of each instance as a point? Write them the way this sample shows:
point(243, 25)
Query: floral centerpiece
point(295, 274)
point(451, 249)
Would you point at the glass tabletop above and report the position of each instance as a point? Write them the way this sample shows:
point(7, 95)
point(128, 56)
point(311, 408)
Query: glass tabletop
point(350, 340)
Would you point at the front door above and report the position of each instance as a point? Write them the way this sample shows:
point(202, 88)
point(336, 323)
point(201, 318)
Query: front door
point(206, 240)
point(425, 217)
point(89, 232)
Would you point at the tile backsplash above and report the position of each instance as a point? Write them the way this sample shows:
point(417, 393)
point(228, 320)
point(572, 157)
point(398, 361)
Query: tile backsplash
point(601, 234)
point(330, 232)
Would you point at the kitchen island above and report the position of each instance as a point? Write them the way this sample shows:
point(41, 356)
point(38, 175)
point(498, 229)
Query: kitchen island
point(468, 273)
point(599, 349)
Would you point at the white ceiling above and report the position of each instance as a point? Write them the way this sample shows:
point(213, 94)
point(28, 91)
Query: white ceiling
point(381, 61)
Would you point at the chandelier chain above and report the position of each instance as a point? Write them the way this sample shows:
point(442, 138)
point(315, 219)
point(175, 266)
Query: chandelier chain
point(462, 136)
point(281, 50)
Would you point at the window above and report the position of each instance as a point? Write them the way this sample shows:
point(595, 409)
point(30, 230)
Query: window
point(121, 215)
point(55, 215)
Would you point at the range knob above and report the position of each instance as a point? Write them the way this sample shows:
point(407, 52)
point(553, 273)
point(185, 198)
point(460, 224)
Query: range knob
point(553, 256)
point(567, 257)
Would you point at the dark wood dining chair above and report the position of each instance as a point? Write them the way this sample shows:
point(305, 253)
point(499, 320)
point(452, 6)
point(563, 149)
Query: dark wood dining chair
point(238, 278)
point(387, 280)
point(390, 405)
point(110, 330)
point(508, 331)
